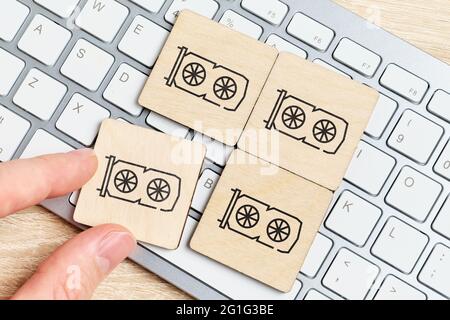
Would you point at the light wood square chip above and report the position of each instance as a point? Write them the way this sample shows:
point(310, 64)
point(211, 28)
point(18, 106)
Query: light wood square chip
point(145, 181)
point(314, 116)
point(261, 220)
point(208, 77)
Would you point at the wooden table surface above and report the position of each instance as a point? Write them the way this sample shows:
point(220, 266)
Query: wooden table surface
point(28, 237)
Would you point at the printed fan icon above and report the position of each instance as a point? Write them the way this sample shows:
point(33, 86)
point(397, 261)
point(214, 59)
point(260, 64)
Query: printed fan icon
point(247, 216)
point(125, 181)
point(324, 131)
point(194, 74)
point(278, 230)
point(225, 88)
point(293, 117)
point(158, 190)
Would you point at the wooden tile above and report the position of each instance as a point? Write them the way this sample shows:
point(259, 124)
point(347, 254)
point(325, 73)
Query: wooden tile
point(145, 182)
point(316, 117)
point(208, 77)
point(261, 220)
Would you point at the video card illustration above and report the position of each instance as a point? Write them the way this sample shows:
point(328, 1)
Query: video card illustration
point(138, 184)
point(307, 123)
point(208, 80)
point(259, 221)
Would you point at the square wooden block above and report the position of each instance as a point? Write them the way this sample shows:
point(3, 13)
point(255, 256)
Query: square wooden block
point(145, 181)
point(208, 77)
point(261, 222)
point(314, 117)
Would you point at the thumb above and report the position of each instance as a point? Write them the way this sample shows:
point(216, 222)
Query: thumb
point(75, 269)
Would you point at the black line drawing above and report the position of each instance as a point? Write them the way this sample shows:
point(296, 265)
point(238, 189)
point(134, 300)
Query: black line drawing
point(307, 123)
point(141, 185)
point(259, 221)
point(206, 79)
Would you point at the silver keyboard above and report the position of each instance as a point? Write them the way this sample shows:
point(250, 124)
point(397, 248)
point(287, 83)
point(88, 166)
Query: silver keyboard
point(65, 65)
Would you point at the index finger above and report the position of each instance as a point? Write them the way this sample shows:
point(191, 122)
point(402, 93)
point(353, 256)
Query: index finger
point(24, 183)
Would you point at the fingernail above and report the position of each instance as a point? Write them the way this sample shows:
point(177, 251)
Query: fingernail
point(113, 249)
point(86, 152)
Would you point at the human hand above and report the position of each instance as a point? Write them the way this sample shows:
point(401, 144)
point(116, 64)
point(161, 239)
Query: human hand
point(75, 269)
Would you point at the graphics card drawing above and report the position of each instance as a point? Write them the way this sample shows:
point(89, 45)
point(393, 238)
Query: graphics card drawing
point(307, 123)
point(208, 80)
point(260, 222)
point(138, 184)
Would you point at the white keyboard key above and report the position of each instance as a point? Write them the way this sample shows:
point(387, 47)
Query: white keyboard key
point(62, 8)
point(44, 40)
point(381, 116)
point(330, 67)
point(439, 105)
point(40, 94)
point(284, 46)
point(413, 193)
point(395, 289)
point(315, 296)
point(319, 250)
point(81, 119)
point(273, 11)
point(238, 23)
point(404, 83)
point(436, 271)
point(350, 276)
point(10, 67)
point(399, 245)
point(216, 151)
point(356, 57)
point(12, 16)
point(442, 222)
point(223, 279)
point(310, 31)
point(13, 129)
point(125, 88)
point(143, 41)
point(44, 143)
point(353, 218)
point(415, 137)
point(205, 187)
point(150, 5)
point(73, 198)
point(442, 165)
point(87, 65)
point(102, 18)
point(167, 125)
point(207, 8)
point(369, 168)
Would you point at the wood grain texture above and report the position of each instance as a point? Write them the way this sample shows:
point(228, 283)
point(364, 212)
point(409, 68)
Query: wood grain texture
point(311, 118)
point(145, 181)
point(28, 237)
point(208, 83)
point(252, 225)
